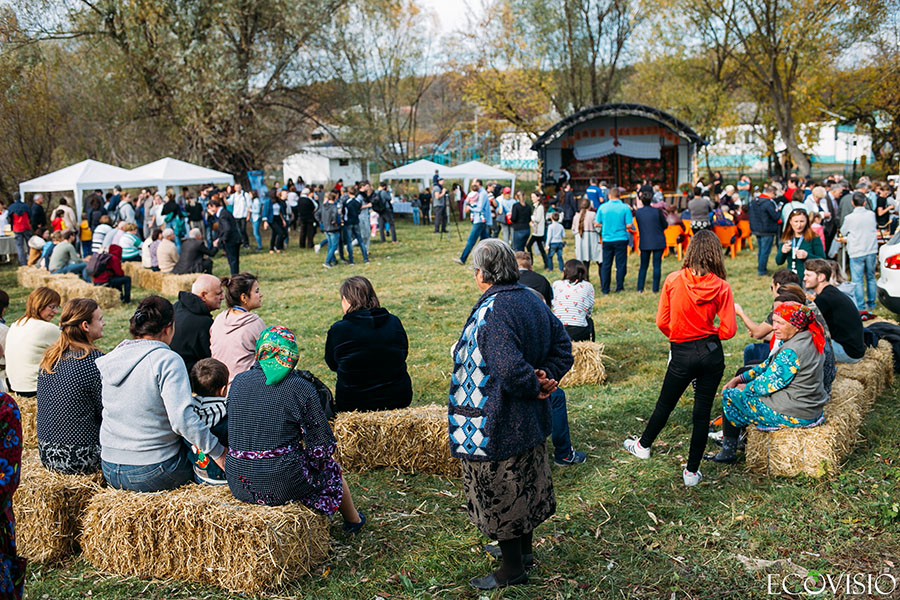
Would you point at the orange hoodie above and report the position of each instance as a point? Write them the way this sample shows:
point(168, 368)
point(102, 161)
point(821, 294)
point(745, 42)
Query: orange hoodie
point(688, 306)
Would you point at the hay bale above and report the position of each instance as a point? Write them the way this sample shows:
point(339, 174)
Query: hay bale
point(588, 367)
point(172, 284)
point(28, 413)
point(411, 440)
point(31, 277)
point(884, 356)
point(203, 534)
point(49, 510)
point(75, 287)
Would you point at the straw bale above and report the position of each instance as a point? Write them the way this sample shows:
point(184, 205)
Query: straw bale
point(884, 356)
point(411, 440)
point(50, 508)
point(172, 284)
point(588, 367)
point(68, 289)
point(28, 413)
point(31, 277)
point(203, 534)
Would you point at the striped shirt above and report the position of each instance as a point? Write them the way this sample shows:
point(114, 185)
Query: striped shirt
point(573, 303)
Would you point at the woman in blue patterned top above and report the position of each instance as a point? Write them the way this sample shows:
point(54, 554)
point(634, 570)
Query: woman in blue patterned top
point(507, 362)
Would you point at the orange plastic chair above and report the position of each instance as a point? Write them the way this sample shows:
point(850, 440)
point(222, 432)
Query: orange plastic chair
point(744, 227)
point(725, 234)
point(637, 238)
point(672, 232)
point(687, 227)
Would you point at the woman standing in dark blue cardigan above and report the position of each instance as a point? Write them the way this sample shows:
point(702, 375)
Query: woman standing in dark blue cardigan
point(367, 349)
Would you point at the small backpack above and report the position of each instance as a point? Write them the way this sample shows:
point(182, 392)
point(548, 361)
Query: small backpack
point(97, 263)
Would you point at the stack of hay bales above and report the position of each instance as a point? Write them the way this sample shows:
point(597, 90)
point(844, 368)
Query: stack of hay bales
point(164, 283)
point(203, 534)
point(818, 451)
point(28, 415)
point(68, 286)
point(49, 510)
point(411, 440)
point(588, 367)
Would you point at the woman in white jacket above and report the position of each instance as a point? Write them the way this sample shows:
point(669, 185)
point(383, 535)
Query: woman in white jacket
point(28, 338)
point(538, 225)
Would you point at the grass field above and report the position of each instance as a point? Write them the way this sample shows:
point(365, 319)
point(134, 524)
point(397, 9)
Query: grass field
point(624, 528)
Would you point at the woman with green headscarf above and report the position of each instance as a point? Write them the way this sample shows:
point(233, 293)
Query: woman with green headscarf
point(281, 445)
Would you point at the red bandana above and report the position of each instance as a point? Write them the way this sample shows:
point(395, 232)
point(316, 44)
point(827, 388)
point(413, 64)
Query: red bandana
point(803, 318)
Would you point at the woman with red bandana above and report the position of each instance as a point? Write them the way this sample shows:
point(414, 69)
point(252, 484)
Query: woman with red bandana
point(786, 390)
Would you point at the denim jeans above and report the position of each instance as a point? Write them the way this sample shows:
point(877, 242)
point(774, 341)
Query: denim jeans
point(352, 232)
point(365, 226)
point(646, 255)
point(862, 271)
point(256, 223)
point(334, 238)
point(840, 355)
point(520, 237)
point(75, 268)
point(478, 233)
point(756, 353)
point(562, 443)
point(764, 243)
point(86, 249)
point(619, 251)
point(415, 215)
point(555, 250)
point(167, 475)
point(22, 247)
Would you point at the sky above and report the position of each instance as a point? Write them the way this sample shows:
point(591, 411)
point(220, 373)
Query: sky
point(452, 13)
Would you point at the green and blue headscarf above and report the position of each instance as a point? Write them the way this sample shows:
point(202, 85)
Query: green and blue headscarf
point(277, 353)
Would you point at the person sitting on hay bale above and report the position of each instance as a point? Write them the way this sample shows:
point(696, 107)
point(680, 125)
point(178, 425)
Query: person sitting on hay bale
point(130, 242)
point(193, 319)
point(209, 384)
point(36, 245)
point(112, 275)
point(149, 258)
point(281, 445)
point(167, 252)
point(12, 575)
point(195, 256)
point(101, 232)
point(573, 301)
point(30, 335)
point(785, 390)
point(507, 362)
point(839, 311)
point(64, 258)
point(233, 335)
point(147, 409)
point(368, 349)
point(69, 392)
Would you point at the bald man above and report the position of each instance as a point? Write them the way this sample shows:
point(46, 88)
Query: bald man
point(193, 318)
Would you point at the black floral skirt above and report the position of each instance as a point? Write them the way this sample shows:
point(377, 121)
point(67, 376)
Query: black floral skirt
point(509, 498)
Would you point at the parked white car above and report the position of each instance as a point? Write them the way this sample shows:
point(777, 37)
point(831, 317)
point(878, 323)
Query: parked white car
point(889, 282)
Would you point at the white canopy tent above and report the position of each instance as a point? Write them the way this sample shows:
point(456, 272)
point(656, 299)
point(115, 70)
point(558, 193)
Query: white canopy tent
point(77, 178)
point(421, 169)
point(478, 170)
point(167, 172)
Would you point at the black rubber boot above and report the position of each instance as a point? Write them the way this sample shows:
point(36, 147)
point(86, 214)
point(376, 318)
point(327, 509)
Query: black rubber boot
point(728, 453)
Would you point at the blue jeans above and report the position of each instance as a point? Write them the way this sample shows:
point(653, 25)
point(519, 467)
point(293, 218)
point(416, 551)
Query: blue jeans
point(764, 243)
point(334, 238)
point(555, 250)
point(756, 353)
point(415, 216)
point(167, 475)
point(619, 251)
point(22, 247)
point(256, 223)
point(478, 233)
point(863, 268)
point(75, 268)
point(352, 232)
point(86, 249)
point(840, 355)
point(520, 237)
point(646, 255)
point(562, 443)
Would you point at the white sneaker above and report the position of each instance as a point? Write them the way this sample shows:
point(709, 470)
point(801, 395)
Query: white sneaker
point(633, 445)
point(318, 247)
point(691, 479)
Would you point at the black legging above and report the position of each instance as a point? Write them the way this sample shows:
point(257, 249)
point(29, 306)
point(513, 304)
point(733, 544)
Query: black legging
point(539, 240)
point(704, 361)
point(277, 240)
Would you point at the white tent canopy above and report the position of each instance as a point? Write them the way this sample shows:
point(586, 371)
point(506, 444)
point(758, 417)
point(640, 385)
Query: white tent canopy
point(478, 170)
point(421, 169)
point(167, 172)
point(77, 178)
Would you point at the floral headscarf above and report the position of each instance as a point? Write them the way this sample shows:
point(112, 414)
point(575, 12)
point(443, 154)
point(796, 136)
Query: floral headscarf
point(803, 318)
point(277, 353)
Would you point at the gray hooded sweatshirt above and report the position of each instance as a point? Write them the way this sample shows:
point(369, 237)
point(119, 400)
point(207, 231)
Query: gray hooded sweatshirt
point(147, 408)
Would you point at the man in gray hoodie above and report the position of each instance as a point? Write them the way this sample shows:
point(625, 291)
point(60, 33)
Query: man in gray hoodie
point(147, 410)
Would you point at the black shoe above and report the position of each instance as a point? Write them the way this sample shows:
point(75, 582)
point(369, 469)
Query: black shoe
point(494, 551)
point(354, 528)
point(728, 454)
point(489, 582)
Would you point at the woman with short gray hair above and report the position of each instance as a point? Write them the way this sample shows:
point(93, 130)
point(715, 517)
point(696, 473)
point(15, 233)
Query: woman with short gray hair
point(507, 362)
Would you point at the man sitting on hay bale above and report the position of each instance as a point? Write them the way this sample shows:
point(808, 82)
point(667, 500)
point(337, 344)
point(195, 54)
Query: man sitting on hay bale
point(64, 258)
point(193, 318)
point(841, 315)
point(110, 274)
point(195, 256)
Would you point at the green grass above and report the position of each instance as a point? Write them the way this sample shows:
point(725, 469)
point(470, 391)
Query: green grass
point(624, 528)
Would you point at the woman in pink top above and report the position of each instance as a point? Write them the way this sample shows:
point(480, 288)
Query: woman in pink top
point(234, 332)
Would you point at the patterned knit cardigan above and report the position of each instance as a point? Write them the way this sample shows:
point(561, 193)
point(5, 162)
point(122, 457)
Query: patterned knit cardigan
point(494, 411)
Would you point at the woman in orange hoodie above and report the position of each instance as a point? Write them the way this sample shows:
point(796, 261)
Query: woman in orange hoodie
point(690, 301)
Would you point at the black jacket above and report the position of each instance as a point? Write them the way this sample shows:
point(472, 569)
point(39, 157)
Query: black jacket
point(764, 216)
point(538, 283)
point(228, 230)
point(368, 349)
point(192, 323)
point(38, 216)
point(306, 209)
point(191, 259)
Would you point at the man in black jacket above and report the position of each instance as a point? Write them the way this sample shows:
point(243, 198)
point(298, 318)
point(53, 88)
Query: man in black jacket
point(763, 216)
point(193, 318)
point(193, 255)
point(228, 235)
point(533, 280)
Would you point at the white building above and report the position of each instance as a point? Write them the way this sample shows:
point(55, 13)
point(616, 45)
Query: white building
point(323, 162)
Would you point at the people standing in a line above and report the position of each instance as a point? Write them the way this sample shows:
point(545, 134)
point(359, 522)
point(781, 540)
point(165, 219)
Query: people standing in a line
point(587, 240)
point(227, 233)
point(614, 218)
point(478, 207)
point(651, 225)
point(439, 196)
point(233, 335)
point(861, 230)
point(763, 217)
point(538, 229)
point(28, 338)
point(798, 243)
point(520, 216)
point(510, 355)
point(240, 209)
point(691, 300)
